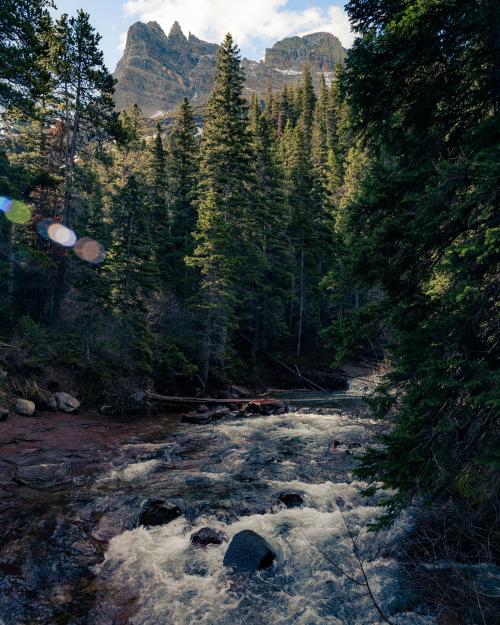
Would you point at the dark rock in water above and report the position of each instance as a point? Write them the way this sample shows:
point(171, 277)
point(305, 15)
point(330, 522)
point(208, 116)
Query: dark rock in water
point(207, 536)
point(195, 568)
point(291, 500)
point(264, 407)
point(248, 552)
point(4, 413)
point(43, 476)
point(158, 512)
point(139, 397)
point(107, 410)
point(197, 418)
point(202, 408)
point(334, 445)
point(340, 502)
point(246, 477)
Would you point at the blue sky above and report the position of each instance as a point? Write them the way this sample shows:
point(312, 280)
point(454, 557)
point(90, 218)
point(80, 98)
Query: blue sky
point(255, 24)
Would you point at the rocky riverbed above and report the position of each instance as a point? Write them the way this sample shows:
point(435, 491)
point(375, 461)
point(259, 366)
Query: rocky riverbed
point(247, 519)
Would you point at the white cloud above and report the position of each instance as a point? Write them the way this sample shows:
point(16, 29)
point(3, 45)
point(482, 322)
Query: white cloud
point(253, 23)
point(122, 42)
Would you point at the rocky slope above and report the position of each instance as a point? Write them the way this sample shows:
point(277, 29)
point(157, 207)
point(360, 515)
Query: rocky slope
point(157, 71)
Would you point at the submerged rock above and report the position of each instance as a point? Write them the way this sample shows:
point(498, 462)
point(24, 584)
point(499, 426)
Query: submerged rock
point(207, 536)
point(248, 552)
point(291, 500)
point(158, 512)
point(66, 402)
point(264, 407)
point(25, 407)
point(197, 418)
point(107, 410)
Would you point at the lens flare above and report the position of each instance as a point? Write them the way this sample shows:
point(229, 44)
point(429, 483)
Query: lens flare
point(61, 234)
point(43, 227)
point(18, 213)
point(90, 250)
point(5, 204)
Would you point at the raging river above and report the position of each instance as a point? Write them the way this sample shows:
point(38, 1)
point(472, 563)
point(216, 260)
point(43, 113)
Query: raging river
point(73, 552)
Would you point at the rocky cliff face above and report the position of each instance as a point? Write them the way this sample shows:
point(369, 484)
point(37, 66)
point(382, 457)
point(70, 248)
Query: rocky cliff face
point(321, 51)
point(157, 71)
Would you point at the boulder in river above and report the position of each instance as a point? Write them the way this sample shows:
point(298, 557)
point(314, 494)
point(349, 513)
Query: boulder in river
point(25, 407)
point(207, 536)
point(197, 418)
point(158, 512)
point(248, 552)
point(66, 402)
point(265, 407)
point(291, 500)
point(4, 413)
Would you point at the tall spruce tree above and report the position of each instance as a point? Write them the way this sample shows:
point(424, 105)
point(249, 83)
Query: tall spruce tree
point(132, 271)
point(225, 176)
point(267, 274)
point(158, 183)
point(183, 169)
point(25, 26)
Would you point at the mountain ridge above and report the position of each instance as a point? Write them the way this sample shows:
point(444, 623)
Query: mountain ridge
point(158, 70)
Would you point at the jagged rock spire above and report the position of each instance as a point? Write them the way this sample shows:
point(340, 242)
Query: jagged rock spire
point(176, 31)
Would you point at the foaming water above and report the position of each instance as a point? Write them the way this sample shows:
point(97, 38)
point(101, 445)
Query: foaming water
point(132, 472)
point(229, 476)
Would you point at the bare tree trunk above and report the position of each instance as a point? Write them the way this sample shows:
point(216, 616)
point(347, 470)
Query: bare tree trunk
point(255, 340)
point(10, 270)
point(301, 300)
point(207, 348)
point(71, 146)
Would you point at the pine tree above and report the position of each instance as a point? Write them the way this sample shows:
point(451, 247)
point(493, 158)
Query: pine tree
point(24, 28)
point(306, 100)
point(158, 184)
point(268, 248)
point(423, 222)
point(131, 269)
point(224, 197)
point(183, 175)
point(324, 194)
point(83, 91)
point(90, 274)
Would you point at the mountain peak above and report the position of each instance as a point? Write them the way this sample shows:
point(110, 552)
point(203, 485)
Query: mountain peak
point(321, 51)
point(176, 31)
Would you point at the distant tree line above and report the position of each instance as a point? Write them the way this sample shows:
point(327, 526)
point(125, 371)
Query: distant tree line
point(219, 240)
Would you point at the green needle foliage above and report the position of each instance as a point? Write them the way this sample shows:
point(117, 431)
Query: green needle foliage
point(421, 222)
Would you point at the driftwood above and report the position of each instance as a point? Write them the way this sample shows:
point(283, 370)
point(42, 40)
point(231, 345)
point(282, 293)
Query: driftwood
point(210, 400)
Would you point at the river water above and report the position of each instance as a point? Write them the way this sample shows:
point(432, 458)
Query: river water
point(227, 475)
